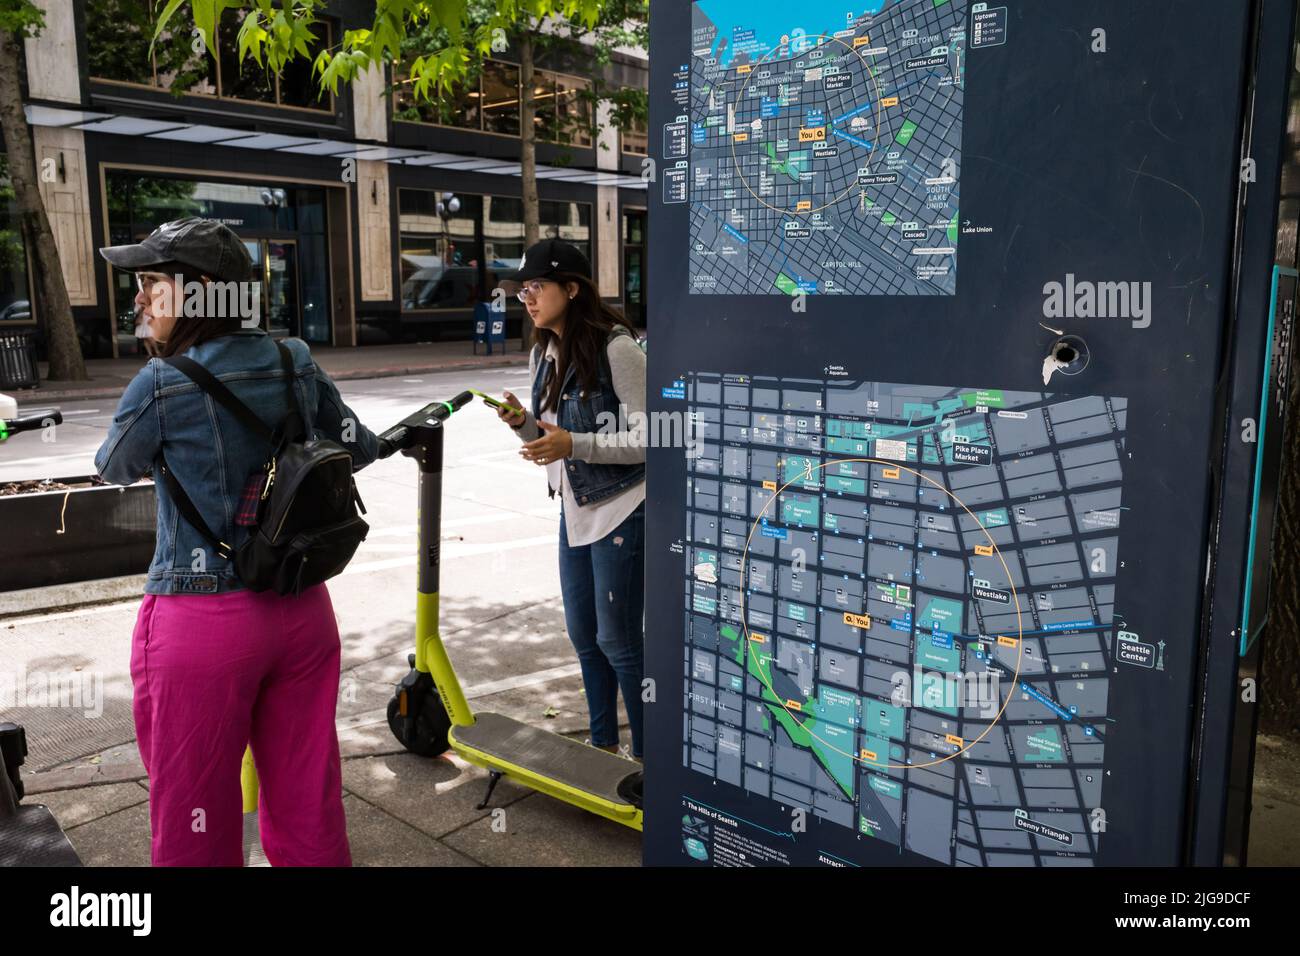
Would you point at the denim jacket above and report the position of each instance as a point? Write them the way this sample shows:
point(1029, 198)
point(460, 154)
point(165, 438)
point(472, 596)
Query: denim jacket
point(210, 452)
point(578, 411)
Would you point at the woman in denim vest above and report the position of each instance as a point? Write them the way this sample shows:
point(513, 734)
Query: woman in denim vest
point(588, 375)
point(216, 667)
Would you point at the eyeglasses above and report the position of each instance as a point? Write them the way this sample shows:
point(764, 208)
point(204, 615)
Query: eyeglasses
point(530, 289)
point(145, 281)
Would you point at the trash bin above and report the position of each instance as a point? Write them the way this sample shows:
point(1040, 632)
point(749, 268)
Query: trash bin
point(18, 359)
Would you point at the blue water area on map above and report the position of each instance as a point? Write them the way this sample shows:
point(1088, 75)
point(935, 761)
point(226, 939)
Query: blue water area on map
point(757, 28)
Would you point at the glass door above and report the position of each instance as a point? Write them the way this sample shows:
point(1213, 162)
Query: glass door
point(634, 256)
point(280, 287)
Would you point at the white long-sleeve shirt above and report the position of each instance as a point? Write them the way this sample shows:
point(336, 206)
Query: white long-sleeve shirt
point(585, 524)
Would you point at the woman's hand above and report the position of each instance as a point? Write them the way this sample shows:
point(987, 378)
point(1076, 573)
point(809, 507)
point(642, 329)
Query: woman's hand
point(514, 420)
point(555, 443)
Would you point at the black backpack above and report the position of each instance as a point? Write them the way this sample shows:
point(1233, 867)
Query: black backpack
point(306, 526)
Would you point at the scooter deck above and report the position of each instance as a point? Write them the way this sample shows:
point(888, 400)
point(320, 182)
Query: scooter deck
point(32, 837)
point(543, 760)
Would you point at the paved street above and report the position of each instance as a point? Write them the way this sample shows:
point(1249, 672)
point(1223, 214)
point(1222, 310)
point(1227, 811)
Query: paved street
point(501, 617)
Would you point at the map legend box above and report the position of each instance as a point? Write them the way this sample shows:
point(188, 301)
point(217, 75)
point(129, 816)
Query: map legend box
point(988, 26)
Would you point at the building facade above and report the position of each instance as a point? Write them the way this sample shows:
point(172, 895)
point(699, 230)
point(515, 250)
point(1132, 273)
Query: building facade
point(371, 217)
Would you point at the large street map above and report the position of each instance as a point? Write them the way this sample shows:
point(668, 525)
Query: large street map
point(825, 146)
point(900, 606)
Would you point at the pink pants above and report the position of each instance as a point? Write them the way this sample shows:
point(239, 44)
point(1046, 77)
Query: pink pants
point(214, 673)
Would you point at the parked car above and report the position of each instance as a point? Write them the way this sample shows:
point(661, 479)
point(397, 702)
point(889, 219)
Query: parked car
point(20, 310)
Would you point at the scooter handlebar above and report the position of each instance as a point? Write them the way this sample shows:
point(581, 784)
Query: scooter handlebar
point(9, 426)
point(399, 436)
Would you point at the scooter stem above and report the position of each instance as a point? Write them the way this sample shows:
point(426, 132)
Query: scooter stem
point(430, 655)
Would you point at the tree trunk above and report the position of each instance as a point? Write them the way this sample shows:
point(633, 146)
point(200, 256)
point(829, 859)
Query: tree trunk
point(50, 291)
point(528, 157)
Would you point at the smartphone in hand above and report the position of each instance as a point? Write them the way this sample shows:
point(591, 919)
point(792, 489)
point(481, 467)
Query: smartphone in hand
point(497, 403)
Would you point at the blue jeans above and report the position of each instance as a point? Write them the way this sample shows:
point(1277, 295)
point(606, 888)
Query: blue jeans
point(604, 598)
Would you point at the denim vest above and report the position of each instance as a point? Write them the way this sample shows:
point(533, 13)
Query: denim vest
point(578, 411)
point(210, 452)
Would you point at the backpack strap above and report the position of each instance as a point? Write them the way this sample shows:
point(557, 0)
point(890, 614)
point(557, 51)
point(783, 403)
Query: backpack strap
point(189, 512)
point(294, 426)
point(212, 385)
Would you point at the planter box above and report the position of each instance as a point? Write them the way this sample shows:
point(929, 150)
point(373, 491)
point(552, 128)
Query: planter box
point(77, 530)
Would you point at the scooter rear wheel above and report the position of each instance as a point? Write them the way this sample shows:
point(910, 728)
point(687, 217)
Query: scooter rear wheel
point(431, 726)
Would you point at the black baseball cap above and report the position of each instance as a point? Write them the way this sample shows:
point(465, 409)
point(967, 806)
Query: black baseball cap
point(205, 245)
point(543, 260)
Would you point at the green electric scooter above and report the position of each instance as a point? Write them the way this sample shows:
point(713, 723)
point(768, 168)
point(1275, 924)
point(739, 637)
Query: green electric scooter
point(429, 713)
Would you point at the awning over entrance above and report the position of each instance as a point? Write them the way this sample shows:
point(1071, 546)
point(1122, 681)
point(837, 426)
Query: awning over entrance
point(97, 122)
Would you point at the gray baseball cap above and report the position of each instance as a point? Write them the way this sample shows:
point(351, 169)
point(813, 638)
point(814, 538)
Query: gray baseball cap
point(205, 245)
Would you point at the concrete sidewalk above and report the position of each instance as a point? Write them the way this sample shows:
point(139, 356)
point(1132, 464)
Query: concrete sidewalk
point(402, 810)
point(108, 377)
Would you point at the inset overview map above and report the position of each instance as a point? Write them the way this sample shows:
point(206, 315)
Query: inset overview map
point(824, 146)
point(899, 610)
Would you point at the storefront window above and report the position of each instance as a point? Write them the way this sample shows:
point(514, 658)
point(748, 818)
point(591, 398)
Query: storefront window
point(299, 86)
point(454, 262)
point(283, 226)
point(636, 139)
point(441, 255)
point(118, 47)
point(120, 31)
point(458, 107)
point(503, 230)
point(15, 298)
point(634, 264)
point(503, 233)
point(570, 221)
point(490, 101)
point(501, 98)
point(241, 80)
point(544, 106)
point(573, 113)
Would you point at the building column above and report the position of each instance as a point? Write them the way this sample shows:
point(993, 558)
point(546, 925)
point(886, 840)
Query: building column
point(608, 218)
point(374, 205)
point(370, 105)
point(374, 212)
point(53, 75)
point(52, 72)
point(61, 161)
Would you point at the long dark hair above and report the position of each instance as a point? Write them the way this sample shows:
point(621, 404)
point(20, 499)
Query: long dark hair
point(587, 325)
point(189, 331)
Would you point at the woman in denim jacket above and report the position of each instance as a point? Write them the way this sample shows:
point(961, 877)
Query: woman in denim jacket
point(217, 667)
point(588, 396)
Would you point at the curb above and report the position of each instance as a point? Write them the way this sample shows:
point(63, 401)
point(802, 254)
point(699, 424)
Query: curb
point(41, 396)
point(71, 596)
point(78, 778)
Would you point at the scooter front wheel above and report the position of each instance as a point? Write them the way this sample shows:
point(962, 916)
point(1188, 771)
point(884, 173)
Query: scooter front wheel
point(426, 735)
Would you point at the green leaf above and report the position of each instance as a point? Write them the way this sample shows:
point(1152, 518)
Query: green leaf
point(163, 19)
